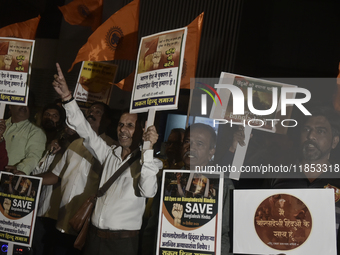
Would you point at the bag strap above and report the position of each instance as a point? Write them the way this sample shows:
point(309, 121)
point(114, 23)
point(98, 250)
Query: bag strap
point(134, 156)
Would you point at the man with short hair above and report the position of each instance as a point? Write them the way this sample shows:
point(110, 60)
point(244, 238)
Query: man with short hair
point(319, 135)
point(117, 216)
point(25, 142)
point(198, 150)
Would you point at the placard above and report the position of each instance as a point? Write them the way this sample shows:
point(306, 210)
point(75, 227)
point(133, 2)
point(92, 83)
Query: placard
point(159, 68)
point(287, 221)
point(19, 198)
point(191, 213)
point(262, 99)
point(95, 82)
point(15, 69)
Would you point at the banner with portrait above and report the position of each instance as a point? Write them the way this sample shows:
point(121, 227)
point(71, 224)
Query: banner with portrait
point(19, 198)
point(284, 221)
point(15, 69)
point(158, 71)
point(191, 213)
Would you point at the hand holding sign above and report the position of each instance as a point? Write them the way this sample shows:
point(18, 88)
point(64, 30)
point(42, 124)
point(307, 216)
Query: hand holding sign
point(151, 136)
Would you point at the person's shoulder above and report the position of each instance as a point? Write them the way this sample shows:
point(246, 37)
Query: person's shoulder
point(33, 128)
point(109, 141)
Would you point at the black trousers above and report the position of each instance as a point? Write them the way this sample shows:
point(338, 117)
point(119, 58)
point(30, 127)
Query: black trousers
point(109, 245)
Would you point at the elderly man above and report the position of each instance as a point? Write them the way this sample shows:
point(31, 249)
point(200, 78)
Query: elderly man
point(117, 216)
point(318, 137)
point(25, 142)
point(198, 149)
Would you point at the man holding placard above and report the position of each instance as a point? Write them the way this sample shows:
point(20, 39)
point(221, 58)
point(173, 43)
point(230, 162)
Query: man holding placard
point(117, 217)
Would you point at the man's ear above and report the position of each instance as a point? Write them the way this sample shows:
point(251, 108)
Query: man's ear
point(335, 141)
point(211, 153)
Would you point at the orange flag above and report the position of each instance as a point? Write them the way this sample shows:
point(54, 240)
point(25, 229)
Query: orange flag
point(191, 51)
point(190, 56)
point(116, 38)
point(336, 99)
point(127, 83)
point(24, 30)
point(83, 12)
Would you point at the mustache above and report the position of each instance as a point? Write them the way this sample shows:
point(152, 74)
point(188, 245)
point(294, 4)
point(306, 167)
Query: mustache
point(192, 153)
point(47, 123)
point(91, 117)
point(306, 143)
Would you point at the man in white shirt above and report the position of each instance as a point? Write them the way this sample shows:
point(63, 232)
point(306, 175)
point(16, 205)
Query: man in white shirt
point(117, 216)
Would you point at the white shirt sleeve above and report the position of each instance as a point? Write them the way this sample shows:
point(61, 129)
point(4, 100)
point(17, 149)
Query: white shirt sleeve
point(76, 120)
point(148, 180)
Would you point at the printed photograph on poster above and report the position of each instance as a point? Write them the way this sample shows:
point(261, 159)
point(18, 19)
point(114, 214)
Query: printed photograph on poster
point(19, 197)
point(286, 221)
point(159, 68)
point(15, 58)
point(190, 215)
point(262, 99)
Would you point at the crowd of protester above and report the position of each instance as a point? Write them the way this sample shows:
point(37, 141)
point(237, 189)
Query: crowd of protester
point(77, 158)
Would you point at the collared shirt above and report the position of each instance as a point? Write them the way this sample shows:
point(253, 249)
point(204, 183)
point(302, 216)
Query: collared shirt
point(25, 144)
point(122, 206)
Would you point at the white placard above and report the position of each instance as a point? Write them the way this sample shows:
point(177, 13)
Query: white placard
point(320, 206)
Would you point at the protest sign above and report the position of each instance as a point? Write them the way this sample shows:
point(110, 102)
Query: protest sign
point(284, 221)
point(15, 67)
point(159, 68)
point(19, 197)
point(95, 82)
point(190, 213)
point(262, 98)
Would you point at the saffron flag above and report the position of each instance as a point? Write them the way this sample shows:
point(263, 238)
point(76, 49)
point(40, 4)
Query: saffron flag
point(191, 51)
point(336, 99)
point(83, 12)
point(190, 56)
point(116, 38)
point(24, 30)
point(127, 83)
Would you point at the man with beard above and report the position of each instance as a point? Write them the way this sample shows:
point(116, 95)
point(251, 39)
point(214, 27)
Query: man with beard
point(80, 174)
point(52, 122)
point(25, 142)
point(318, 137)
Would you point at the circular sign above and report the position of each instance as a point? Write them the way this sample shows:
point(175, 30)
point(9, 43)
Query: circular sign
point(283, 222)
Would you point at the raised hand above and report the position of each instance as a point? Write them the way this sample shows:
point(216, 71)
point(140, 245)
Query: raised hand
point(60, 85)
